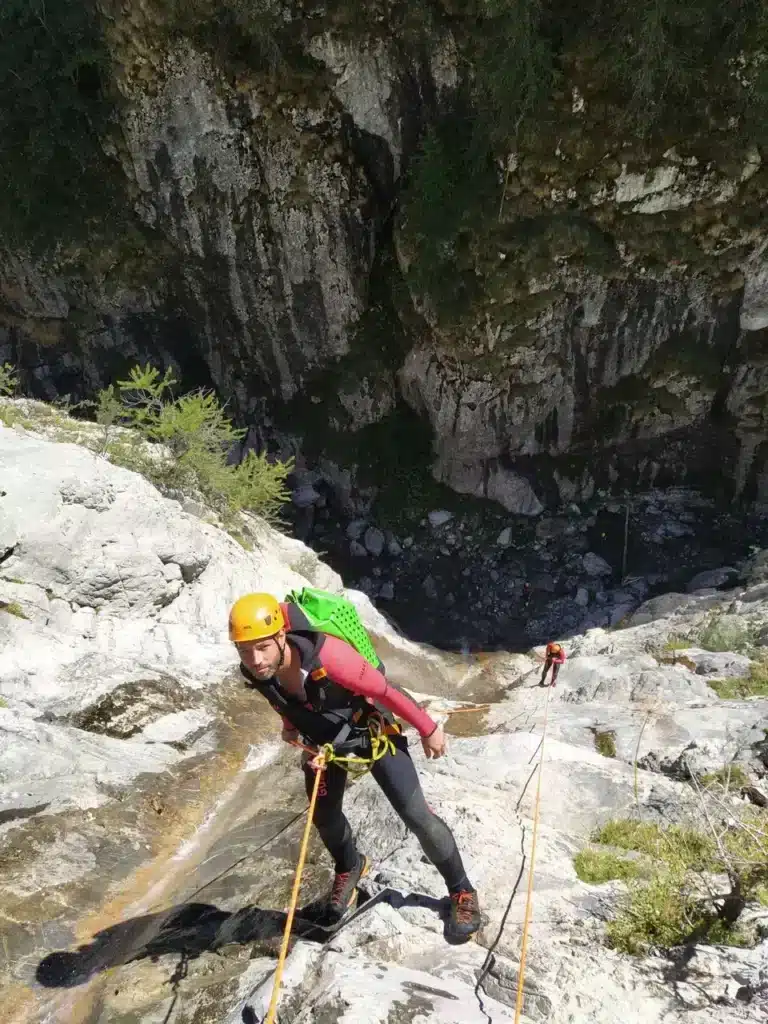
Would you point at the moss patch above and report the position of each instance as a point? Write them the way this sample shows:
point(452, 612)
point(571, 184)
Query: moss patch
point(685, 845)
point(605, 743)
point(597, 866)
point(13, 608)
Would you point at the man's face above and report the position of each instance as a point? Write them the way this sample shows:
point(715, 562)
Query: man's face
point(262, 657)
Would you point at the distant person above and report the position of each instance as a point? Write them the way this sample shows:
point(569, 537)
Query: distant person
point(526, 594)
point(554, 657)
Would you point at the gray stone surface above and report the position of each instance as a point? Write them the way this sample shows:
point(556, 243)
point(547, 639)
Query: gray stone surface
point(391, 964)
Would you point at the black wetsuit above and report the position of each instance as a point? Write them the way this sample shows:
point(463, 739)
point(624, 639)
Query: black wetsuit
point(332, 712)
point(397, 777)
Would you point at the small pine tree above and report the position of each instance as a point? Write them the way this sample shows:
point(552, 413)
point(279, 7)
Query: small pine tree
point(194, 437)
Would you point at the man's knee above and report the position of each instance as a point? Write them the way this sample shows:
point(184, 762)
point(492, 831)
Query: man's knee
point(428, 828)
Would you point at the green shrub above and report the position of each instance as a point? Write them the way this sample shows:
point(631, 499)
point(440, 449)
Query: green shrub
point(451, 188)
point(9, 380)
point(657, 913)
point(513, 67)
point(676, 643)
point(667, 911)
point(746, 846)
point(598, 866)
point(3, 702)
point(753, 685)
point(661, 51)
point(724, 633)
point(193, 438)
point(672, 906)
point(730, 776)
point(605, 743)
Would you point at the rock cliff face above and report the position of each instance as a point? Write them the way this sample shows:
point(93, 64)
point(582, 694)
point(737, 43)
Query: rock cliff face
point(149, 816)
point(600, 326)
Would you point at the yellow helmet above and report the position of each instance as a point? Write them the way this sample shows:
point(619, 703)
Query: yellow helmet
point(255, 617)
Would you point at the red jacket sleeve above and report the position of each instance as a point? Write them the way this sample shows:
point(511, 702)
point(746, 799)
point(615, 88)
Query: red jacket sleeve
point(350, 670)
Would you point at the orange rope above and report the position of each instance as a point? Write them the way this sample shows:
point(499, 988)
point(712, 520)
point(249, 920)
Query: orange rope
point(461, 711)
point(269, 1019)
point(529, 898)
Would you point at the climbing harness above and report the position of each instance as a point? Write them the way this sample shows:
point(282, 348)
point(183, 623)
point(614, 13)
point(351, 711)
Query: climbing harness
point(529, 896)
point(381, 733)
point(270, 1017)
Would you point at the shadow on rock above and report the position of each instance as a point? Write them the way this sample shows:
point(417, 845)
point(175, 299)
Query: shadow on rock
point(191, 929)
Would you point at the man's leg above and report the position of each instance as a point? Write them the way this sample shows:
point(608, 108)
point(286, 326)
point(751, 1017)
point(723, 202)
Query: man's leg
point(543, 681)
point(396, 775)
point(336, 834)
point(329, 819)
point(555, 670)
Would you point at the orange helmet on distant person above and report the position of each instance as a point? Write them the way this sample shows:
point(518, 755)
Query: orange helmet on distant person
point(555, 648)
point(255, 617)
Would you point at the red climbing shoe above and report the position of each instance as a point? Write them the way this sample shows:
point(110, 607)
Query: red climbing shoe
point(463, 917)
point(344, 891)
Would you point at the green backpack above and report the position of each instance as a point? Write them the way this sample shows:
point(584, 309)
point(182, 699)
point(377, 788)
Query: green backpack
point(330, 613)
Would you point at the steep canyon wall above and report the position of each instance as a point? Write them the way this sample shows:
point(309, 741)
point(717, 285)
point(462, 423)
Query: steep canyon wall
point(596, 315)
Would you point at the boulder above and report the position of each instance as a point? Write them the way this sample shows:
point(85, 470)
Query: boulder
point(712, 578)
point(305, 496)
point(439, 517)
point(718, 664)
point(356, 529)
point(660, 607)
point(374, 541)
point(112, 579)
point(594, 565)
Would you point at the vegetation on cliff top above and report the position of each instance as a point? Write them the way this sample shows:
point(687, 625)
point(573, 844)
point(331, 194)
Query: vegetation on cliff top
point(655, 59)
point(56, 103)
point(653, 70)
point(181, 443)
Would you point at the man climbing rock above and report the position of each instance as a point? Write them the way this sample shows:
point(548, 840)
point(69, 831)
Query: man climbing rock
point(326, 692)
point(554, 657)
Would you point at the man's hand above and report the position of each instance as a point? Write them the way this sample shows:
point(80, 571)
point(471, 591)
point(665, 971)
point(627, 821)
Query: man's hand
point(289, 735)
point(434, 745)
